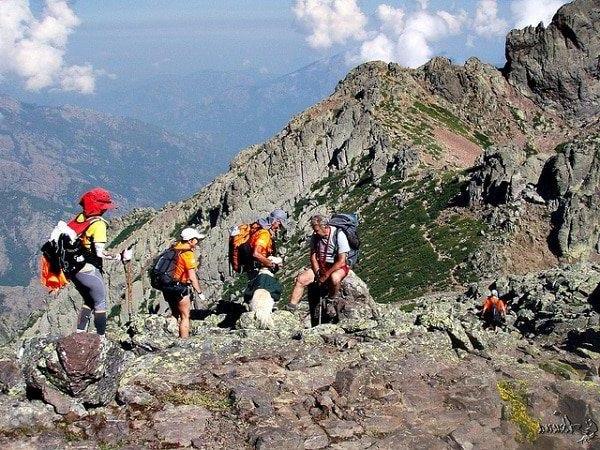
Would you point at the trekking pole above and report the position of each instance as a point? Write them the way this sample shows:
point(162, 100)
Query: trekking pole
point(320, 307)
point(129, 287)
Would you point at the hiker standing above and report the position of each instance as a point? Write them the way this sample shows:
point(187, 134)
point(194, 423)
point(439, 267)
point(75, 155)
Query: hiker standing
point(329, 250)
point(252, 251)
point(178, 293)
point(89, 282)
point(262, 242)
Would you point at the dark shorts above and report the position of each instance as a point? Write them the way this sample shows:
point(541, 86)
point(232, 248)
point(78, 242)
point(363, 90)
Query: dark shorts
point(175, 294)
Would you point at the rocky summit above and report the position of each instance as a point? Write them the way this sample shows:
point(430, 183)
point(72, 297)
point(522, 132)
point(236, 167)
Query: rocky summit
point(465, 178)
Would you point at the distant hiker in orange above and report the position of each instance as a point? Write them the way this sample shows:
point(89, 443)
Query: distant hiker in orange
point(88, 279)
point(494, 310)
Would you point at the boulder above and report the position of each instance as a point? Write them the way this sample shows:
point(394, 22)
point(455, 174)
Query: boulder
point(355, 306)
point(178, 426)
point(25, 416)
point(503, 175)
point(572, 178)
point(73, 372)
point(151, 332)
point(283, 321)
point(10, 375)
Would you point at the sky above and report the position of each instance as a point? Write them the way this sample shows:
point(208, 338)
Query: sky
point(71, 45)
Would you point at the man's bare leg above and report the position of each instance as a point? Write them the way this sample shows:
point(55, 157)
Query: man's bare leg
point(335, 282)
point(302, 281)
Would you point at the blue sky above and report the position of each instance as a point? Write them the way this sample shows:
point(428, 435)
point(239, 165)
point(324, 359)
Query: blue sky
point(135, 39)
point(186, 35)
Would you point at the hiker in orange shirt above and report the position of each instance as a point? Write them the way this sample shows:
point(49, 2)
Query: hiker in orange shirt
point(494, 310)
point(184, 275)
point(261, 241)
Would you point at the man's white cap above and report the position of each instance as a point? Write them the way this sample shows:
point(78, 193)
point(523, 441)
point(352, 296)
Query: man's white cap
point(494, 292)
point(191, 233)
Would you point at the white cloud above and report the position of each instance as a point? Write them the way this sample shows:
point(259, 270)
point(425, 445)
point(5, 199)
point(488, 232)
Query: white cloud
point(392, 19)
point(532, 12)
point(79, 79)
point(487, 23)
point(408, 38)
point(424, 3)
point(34, 48)
point(380, 48)
point(331, 21)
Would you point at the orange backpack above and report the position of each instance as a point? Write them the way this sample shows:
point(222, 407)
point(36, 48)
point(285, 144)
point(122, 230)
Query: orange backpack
point(240, 251)
point(62, 257)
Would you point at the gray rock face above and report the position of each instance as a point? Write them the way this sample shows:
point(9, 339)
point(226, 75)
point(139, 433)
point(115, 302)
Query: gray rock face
point(568, 183)
point(75, 371)
point(386, 158)
point(558, 66)
point(503, 176)
point(356, 308)
point(476, 87)
point(572, 177)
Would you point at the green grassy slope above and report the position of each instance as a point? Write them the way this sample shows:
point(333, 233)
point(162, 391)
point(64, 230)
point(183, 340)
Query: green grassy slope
point(407, 250)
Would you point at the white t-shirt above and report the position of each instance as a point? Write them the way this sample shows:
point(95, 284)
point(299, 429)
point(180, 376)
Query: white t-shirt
point(319, 244)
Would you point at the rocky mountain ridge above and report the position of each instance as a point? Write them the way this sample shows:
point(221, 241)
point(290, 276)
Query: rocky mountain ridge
point(383, 124)
point(423, 374)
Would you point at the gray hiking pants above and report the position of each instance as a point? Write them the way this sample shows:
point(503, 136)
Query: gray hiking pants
point(92, 288)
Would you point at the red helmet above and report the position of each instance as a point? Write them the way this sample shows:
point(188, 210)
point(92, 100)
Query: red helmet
point(96, 202)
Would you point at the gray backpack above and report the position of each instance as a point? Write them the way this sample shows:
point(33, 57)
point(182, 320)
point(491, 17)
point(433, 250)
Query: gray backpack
point(348, 223)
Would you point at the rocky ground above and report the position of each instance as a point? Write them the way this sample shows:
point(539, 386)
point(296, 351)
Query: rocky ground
point(421, 375)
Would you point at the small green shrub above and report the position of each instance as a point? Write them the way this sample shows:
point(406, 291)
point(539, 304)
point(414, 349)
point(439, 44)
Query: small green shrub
point(514, 395)
point(198, 396)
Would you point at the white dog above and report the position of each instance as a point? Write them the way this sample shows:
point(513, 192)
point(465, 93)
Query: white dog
point(262, 303)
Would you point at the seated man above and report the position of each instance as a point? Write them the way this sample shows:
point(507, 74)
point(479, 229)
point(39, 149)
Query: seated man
point(329, 249)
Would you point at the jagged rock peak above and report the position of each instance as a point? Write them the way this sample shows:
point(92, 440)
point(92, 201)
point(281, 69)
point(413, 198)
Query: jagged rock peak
point(558, 66)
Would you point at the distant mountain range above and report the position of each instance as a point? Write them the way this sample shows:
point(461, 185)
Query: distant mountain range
point(49, 156)
point(230, 109)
